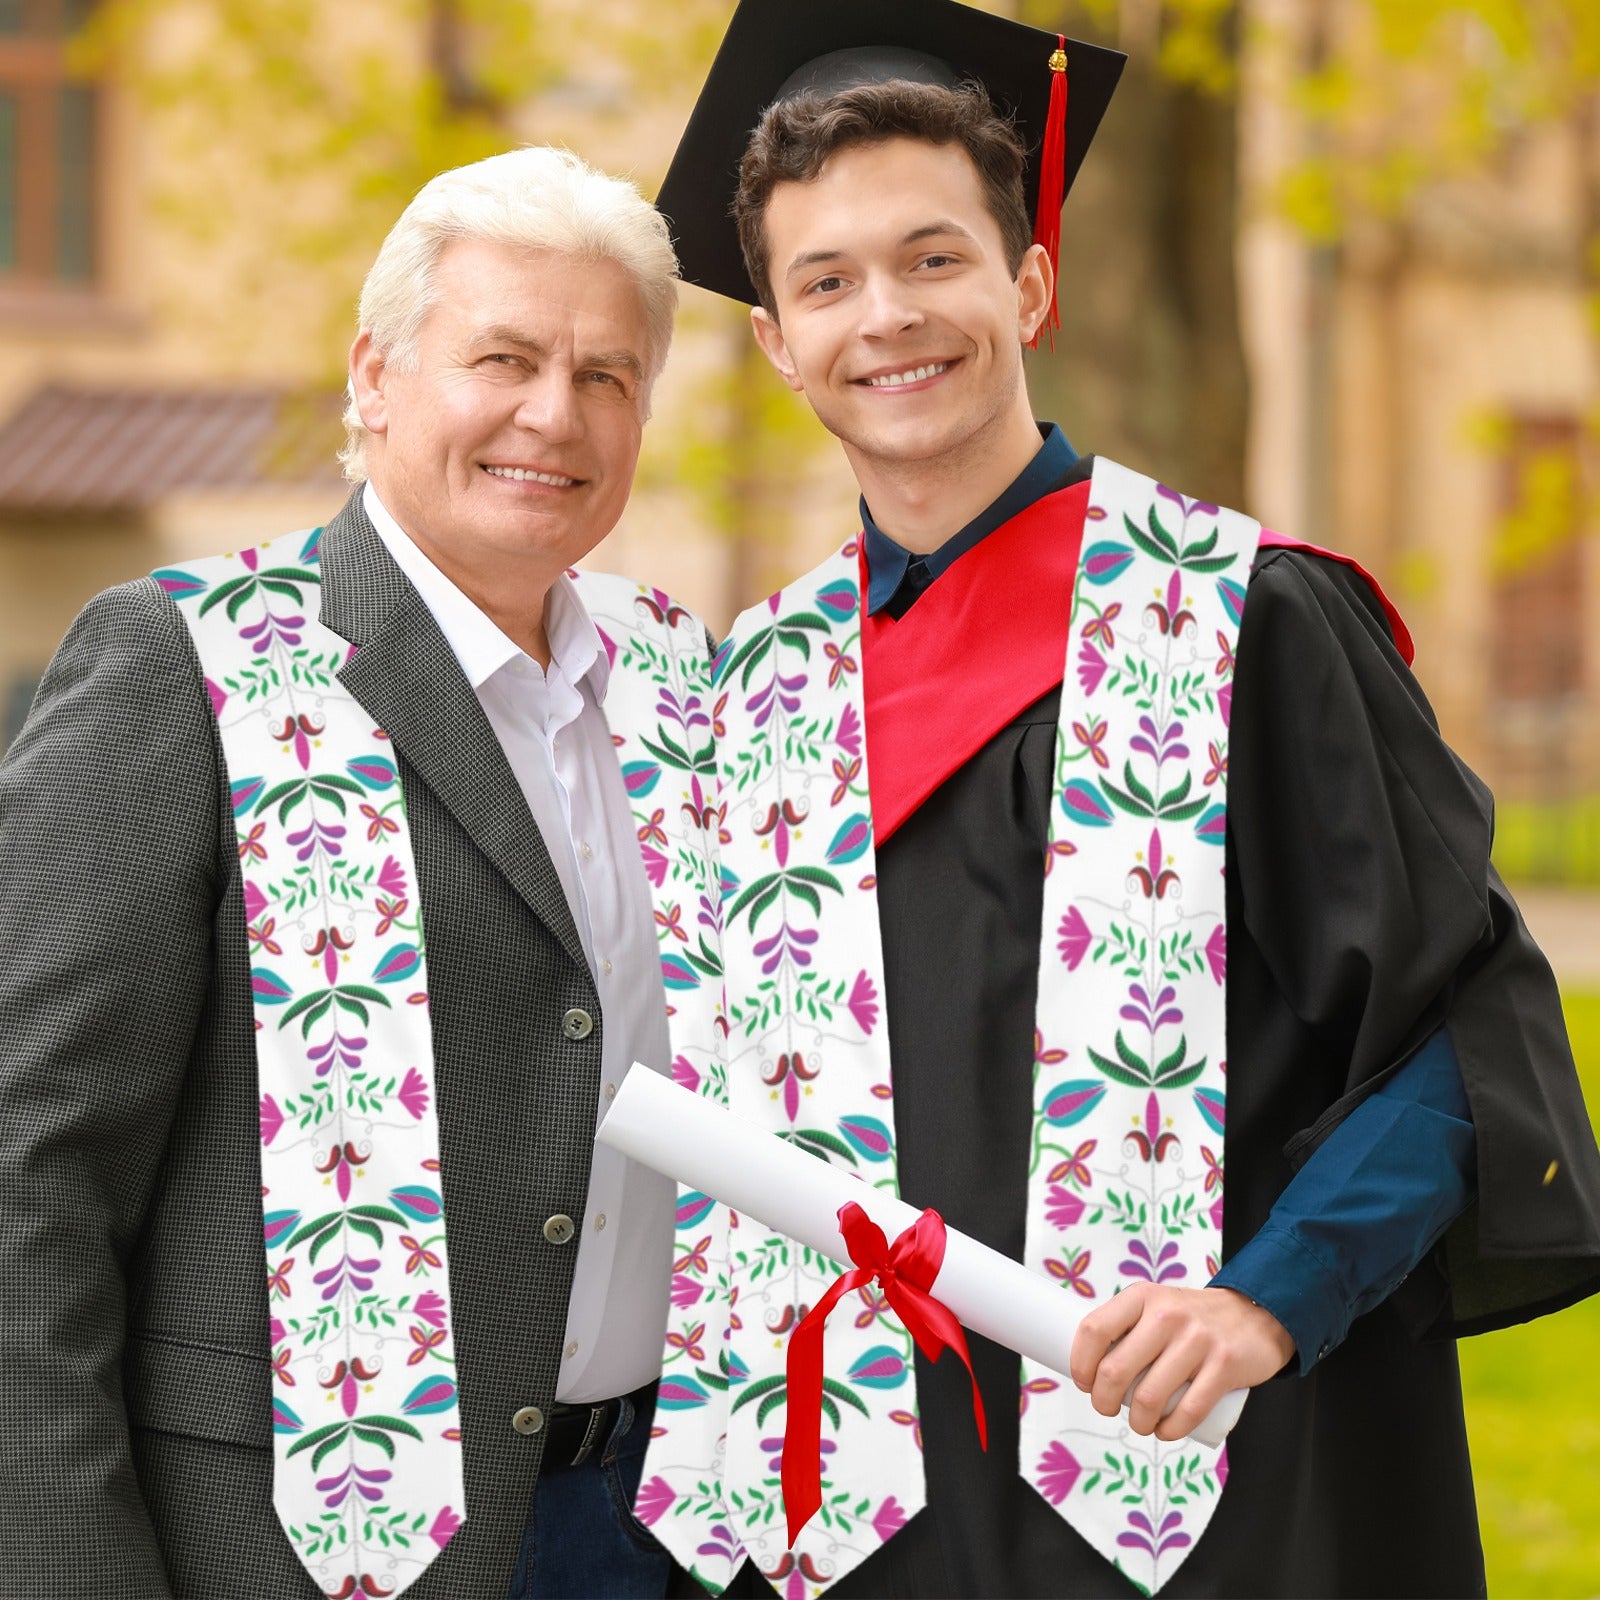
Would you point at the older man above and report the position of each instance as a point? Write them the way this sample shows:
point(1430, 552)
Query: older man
point(246, 792)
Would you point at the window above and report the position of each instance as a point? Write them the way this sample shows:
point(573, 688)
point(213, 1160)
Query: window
point(47, 147)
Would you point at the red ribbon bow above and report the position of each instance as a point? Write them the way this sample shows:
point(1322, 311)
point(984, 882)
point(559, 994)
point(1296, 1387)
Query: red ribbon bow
point(906, 1271)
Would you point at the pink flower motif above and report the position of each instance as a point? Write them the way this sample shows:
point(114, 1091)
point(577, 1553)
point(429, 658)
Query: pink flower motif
point(430, 1307)
point(255, 902)
point(655, 865)
point(1217, 952)
point(685, 1291)
point(1093, 738)
point(271, 1119)
point(1058, 1472)
point(863, 1002)
point(848, 738)
point(414, 1093)
point(444, 1527)
point(1062, 1208)
point(1216, 1213)
point(1222, 1468)
point(1072, 1272)
point(1073, 938)
point(1225, 703)
point(890, 1518)
point(683, 1073)
point(392, 877)
point(653, 1501)
point(218, 696)
point(1091, 668)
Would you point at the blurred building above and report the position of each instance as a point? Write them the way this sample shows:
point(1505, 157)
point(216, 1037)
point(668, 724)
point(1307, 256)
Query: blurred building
point(1426, 396)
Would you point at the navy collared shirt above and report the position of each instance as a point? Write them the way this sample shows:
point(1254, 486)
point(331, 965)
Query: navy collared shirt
point(896, 577)
point(1379, 1192)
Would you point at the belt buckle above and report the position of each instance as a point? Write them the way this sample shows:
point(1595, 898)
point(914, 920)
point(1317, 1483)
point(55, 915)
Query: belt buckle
point(590, 1435)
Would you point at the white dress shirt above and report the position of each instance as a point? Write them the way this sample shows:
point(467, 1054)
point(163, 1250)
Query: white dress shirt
point(550, 725)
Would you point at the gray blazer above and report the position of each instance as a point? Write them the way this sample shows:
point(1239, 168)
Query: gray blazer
point(135, 1446)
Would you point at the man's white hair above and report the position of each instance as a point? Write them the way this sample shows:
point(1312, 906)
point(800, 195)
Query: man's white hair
point(537, 197)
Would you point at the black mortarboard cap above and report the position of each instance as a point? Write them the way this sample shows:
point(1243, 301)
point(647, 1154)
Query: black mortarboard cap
point(777, 48)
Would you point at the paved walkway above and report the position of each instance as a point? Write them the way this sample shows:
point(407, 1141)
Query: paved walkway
point(1566, 922)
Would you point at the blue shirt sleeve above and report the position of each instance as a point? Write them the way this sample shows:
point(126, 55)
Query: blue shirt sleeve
point(1367, 1206)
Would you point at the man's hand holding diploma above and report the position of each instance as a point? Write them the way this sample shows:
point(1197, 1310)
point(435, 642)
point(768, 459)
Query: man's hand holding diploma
point(1214, 1340)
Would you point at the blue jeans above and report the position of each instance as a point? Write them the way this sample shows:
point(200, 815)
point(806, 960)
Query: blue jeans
point(583, 1541)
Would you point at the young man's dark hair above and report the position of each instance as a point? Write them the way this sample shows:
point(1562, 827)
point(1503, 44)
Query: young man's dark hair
point(797, 136)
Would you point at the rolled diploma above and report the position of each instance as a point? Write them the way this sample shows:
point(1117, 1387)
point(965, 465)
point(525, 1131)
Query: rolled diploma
point(676, 1132)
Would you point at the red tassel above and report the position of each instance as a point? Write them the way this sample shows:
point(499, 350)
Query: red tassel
point(1052, 181)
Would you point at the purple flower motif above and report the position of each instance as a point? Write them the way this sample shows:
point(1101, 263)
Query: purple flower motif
point(317, 836)
point(721, 1543)
point(1188, 507)
point(1073, 938)
point(348, 1051)
point(1091, 667)
point(1217, 952)
point(793, 944)
point(1160, 1269)
point(1159, 744)
point(653, 1500)
point(1151, 1014)
point(774, 1448)
point(863, 1002)
point(273, 628)
point(1153, 1542)
point(1058, 1471)
point(889, 1518)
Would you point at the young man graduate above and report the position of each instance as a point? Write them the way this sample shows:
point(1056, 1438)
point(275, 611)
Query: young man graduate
point(1075, 830)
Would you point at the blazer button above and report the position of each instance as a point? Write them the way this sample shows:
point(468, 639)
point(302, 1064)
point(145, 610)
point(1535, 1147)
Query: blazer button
point(559, 1229)
point(530, 1419)
point(577, 1024)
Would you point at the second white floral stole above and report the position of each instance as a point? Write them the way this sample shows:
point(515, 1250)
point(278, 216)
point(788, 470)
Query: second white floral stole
point(1127, 1150)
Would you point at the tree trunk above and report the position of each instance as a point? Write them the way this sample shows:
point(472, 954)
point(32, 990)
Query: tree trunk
point(1148, 365)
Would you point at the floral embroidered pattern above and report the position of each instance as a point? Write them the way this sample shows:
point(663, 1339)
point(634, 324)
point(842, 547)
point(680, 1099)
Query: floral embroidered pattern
point(1126, 1180)
point(368, 1484)
point(1127, 1155)
point(660, 710)
point(368, 1470)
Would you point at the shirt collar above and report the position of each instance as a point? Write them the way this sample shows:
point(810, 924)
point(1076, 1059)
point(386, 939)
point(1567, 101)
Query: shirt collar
point(889, 562)
point(477, 641)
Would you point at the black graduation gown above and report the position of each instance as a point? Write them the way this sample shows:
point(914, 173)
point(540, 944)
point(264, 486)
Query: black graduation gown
point(1362, 912)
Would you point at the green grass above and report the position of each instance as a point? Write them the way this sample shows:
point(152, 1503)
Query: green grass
point(1548, 841)
point(1533, 1415)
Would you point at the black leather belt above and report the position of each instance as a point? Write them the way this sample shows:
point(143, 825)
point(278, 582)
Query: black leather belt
point(574, 1433)
point(577, 1433)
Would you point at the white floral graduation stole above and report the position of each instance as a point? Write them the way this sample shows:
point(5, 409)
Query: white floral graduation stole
point(1145, 691)
point(368, 1479)
point(1125, 1182)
